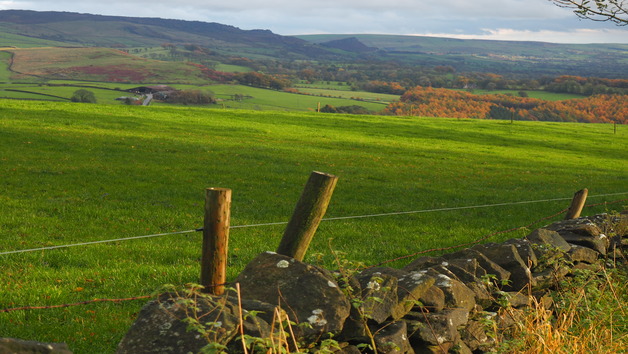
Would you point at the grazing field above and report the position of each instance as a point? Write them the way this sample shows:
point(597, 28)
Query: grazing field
point(261, 99)
point(380, 98)
point(75, 173)
point(542, 95)
point(98, 64)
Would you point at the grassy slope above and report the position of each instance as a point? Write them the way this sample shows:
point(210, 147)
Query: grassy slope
point(73, 173)
point(100, 64)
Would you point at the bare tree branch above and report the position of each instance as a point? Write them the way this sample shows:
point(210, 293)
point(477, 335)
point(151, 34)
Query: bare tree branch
point(615, 11)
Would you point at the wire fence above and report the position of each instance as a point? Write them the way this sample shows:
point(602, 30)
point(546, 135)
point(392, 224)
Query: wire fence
point(477, 241)
point(324, 219)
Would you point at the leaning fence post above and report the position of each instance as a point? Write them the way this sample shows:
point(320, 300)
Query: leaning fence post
point(577, 203)
point(307, 214)
point(215, 240)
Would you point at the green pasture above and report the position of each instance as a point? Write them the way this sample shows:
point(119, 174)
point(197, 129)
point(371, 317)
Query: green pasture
point(229, 68)
point(261, 99)
point(59, 93)
point(75, 173)
point(5, 59)
point(383, 99)
point(543, 95)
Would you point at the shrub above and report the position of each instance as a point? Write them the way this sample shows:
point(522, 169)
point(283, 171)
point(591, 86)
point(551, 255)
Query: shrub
point(83, 96)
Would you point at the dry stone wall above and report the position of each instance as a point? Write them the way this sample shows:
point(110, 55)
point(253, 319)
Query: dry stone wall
point(433, 305)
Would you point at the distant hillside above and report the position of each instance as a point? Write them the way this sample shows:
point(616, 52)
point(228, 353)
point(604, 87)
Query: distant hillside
point(604, 60)
point(527, 59)
point(350, 44)
point(113, 31)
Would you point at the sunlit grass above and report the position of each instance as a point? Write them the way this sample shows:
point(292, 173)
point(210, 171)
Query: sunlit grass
point(72, 173)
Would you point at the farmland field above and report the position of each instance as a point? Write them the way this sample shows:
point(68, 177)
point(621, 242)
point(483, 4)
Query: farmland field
point(75, 173)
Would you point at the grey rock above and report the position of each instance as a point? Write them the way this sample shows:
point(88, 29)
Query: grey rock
point(433, 299)
point(582, 254)
point(488, 265)
point(410, 286)
point(307, 293)
point(162, 327)
point(549, 238)
point(525, 250)
point(506, 256)
point(582, 232)
point(378, 295)
point(437, 328)
point(18, 346)
point(482, 295)
point(471, 265)
point(392, 338)
point(456, 293)
point(475, 337)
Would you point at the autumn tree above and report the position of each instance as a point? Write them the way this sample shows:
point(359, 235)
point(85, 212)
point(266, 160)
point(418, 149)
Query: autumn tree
point(598, 10)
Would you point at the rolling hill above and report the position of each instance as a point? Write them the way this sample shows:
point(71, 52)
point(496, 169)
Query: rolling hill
point(35, 29)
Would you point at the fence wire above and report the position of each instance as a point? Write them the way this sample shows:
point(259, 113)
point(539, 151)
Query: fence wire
point(324, 219)
point(477, 241)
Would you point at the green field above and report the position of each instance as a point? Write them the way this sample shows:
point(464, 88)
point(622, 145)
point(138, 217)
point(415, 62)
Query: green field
point(261, 99)
point(75, 173)
point(542, 95)
point(381, 98)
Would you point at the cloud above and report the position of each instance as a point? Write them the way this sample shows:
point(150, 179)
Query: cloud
point(490, 19)
point(583, 35)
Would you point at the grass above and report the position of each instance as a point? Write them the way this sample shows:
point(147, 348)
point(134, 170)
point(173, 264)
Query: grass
point(229, 68)
point(78, 172)
point(99, 64)
point(261, 99)
point(589, 317)
point(382, 99)
point(542, 95)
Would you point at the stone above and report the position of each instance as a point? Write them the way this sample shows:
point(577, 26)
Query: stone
point(525, 250)
point(456, 293)
point(599, 243)
point(549, 278)
point(582, 232)
point(437, 328)
point(475, 337)
point(18, 346)
point(392, 338)
point(410, 287)
point(506, 256)
point(549, 238)
point(307, 293)
point(517, 299)
point(162, 325)
point(461, 348)
point(471, 265)
point(582, 254)
point(378, 295)
point(488, 265)
point(433, 299)
point(481, 293)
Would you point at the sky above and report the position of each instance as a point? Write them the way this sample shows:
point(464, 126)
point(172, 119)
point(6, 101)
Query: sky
point(526, 20)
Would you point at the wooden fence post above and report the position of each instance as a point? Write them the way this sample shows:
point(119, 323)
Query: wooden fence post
point(577, 203)
point(307, 214)
point(215, 240)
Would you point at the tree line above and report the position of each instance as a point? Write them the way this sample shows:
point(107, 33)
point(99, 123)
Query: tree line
point(435, 102)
